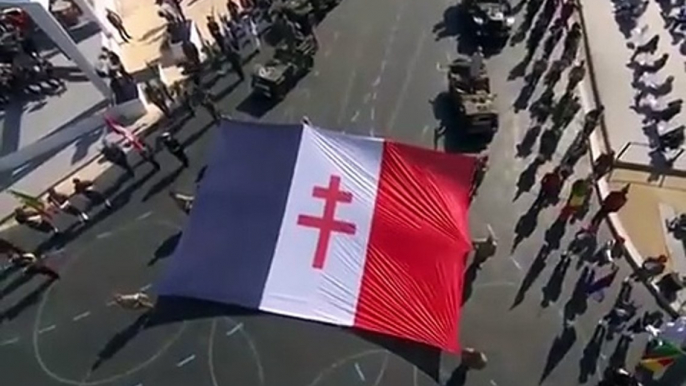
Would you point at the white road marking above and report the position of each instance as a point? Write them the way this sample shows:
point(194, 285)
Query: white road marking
point(408, 79)
point(367, 97)
point(355, 116)
point(384, 63)
point(81, 316)
point(185, 361)
point(9, 341)
point(144, 215)
point(47, 329)
point(234, 330)
point(359, 372)
point(377, 81)
point(145, 287)
point(516, 263)
point(327, 53)
point(110, 304)
point(374, 96)
point(493, 383)
point(373, 113)
point(425, 130)
point(104, 235)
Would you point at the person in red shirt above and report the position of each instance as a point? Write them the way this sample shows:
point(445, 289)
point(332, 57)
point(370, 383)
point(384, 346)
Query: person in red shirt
point(612, 203)
point(551, 185)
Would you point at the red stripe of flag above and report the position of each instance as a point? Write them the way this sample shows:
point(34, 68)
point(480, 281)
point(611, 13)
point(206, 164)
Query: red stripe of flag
point(419, 239)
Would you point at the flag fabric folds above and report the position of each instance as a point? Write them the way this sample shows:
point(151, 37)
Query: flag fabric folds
point(30, 201)
point(661, 356)
point(329, 227)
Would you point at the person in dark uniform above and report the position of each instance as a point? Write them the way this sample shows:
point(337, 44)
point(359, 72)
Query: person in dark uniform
point(174, 147)
point(215, 31)
point(86, 189)
point(149, 156)
point(116, 155)
point(205, 100)
point(118, 24)
point(34, 220)
point(60, 202)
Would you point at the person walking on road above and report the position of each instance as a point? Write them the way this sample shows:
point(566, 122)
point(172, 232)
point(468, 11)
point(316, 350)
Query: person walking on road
point(603, 164)
point(118, 24)
point(580, 192)
point(612, 203)
point(33, 265)
point(148, 155)
point(115, 154)
point(576, 75)
point(35, 220)
point(205, 100)
point(60, 202)
point(174, 147)
point(651, 267)
point(648, 47)
point(87, 190)
point(551, 185)
point(134, 302)
point(9, 249)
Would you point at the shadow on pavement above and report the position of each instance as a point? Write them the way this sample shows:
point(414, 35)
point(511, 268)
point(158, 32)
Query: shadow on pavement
point(120, 340)
point(165, 249)
point(532, 274)
point(588, 365)
point(170, 309)
point(553, 289)
point(453, 129)
point(527, 178)
point(30, 299)
point(554, 234)
point(526, 225)
point(256, 106)
point(426, 358)
point(578, 302)
point(163, 183)
point(561, 346)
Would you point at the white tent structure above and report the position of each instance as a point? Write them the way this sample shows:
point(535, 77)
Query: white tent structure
point(39, 12)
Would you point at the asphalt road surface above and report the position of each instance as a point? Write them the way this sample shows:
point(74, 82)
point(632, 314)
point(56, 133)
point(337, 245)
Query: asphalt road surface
point(377, 72)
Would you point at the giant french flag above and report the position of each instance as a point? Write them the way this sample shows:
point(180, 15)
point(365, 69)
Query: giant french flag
point(329, 227)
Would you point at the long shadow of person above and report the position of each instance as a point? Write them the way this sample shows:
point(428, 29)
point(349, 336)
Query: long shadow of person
point(470, 275)
point(165, 249)
point(554, 234)
point(162, 183)
point(561, 346)
point(27, 301)
point(588, 365)
point(532, 274)
point(618, 358)
point(526, 146)
point(527, 178)
point(526, 225)
point(120, 340)
point(578, 302)
point(459, 376)
point(553, 289)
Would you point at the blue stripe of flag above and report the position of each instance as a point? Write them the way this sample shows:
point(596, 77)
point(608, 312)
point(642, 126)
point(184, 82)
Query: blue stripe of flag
point(226, 249)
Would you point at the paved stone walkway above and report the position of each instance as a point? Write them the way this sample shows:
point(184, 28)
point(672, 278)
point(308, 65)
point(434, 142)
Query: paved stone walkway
point(640, 218)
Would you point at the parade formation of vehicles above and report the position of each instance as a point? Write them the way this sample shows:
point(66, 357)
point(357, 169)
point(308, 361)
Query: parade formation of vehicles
point(470, 90)
point(491, 19)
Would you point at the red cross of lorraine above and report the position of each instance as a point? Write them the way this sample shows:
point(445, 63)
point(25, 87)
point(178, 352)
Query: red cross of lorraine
point(327, 224)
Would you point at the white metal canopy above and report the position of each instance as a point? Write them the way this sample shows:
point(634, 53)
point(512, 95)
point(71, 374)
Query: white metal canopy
point(39, 12)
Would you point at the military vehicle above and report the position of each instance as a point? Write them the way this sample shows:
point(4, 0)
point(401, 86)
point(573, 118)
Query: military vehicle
point(470, 91)
point(276, 77)
point(491, 18)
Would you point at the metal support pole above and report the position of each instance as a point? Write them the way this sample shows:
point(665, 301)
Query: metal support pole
point(56, 32)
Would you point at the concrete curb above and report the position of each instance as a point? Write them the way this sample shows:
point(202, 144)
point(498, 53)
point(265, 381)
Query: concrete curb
point(602, 186)
point(7, 222)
